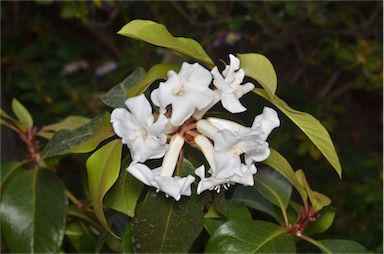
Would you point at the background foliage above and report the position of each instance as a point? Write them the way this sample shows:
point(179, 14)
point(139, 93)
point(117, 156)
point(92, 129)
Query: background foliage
point(328, 57)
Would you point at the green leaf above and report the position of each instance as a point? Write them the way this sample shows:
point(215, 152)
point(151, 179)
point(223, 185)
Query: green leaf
point(33, 211)
point(25, 119)
point(126, 242)
point(253, 199)
point(65, 140)
point(4, 115)
point(274, 187)
point(236, 210)
point(317, 199)
point(339, 246)
point(278, 162)
point(259, 68)
point(323, 223)
point(315, 131)
point(158, 71)
point(165, 225)
point(80, 237)
point(250, 236)
point(103, 131)
point(124, 194)
point(116, 97)
point(70, 122)
point(103, 168)
point(8, 171)
point(157, 34)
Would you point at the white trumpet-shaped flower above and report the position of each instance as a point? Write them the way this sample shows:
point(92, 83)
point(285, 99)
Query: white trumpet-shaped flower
point(144, 137)
point(172, 186)
point(161, 178)
point(186, 91)
point(229, 84)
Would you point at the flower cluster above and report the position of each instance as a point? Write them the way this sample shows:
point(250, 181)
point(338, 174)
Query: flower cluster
point(183, 99)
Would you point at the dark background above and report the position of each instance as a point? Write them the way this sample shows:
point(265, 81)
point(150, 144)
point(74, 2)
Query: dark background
point(327, 55)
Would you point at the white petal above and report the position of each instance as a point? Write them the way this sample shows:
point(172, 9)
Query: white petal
point(200, 113)
point(182, 109)
point(246, 88)
point(268, 120)
point(231, 103)
point(220, 82)
point(142, 173)
point(221, 124)
point(140, 108)
point(200, 171)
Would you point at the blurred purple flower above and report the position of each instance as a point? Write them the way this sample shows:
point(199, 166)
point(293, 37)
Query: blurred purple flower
point(229, 37)
point(105, 68)
point(73, 67)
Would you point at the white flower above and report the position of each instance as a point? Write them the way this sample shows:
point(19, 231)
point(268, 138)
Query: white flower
point(172, 186)
point(264, 122)
point(144, 138)
point(229, 85)
point(243, 176)
point(186, 91)
point(161, 177)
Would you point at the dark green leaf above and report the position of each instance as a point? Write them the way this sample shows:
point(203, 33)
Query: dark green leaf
point(259, 68)
point(158, 71)
point(315, 131)
point(340, 246)
point(80, 237)
point(126, 241)
point(157, 34)
point(165, 225)
point(65, 140)
point(274, 187)
point(116, 97)
point(103, 131)
point(103, 168)
point(124, 194)
point(25, 119)
point(250, 236)
point(323, 223)
point(33, 211)
point(253, 199)
point(236, 210)
point(8, 171)
point(278, 162)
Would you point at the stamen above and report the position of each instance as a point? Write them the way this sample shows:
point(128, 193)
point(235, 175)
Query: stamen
point(236, 151)
point(178, 91)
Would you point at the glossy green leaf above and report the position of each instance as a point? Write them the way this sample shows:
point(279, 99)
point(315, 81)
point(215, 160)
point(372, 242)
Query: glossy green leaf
point(253, 199)
point(250, 236)
point(158, 71)
point(317, 199)
point(340, 246)
point(25, 119)
point(315, 131)
point(103, 131)
point(165, 225)
point(124, 194)
point(274, 187)
point(70, 122)
point(8, 171)
point(157, 34)
point(236, 210)
point(259, 68)
point(33, 211)
point(103, 168)
point(65, 140)
point(323, 222)
point(117, 95)
point(279, 163)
